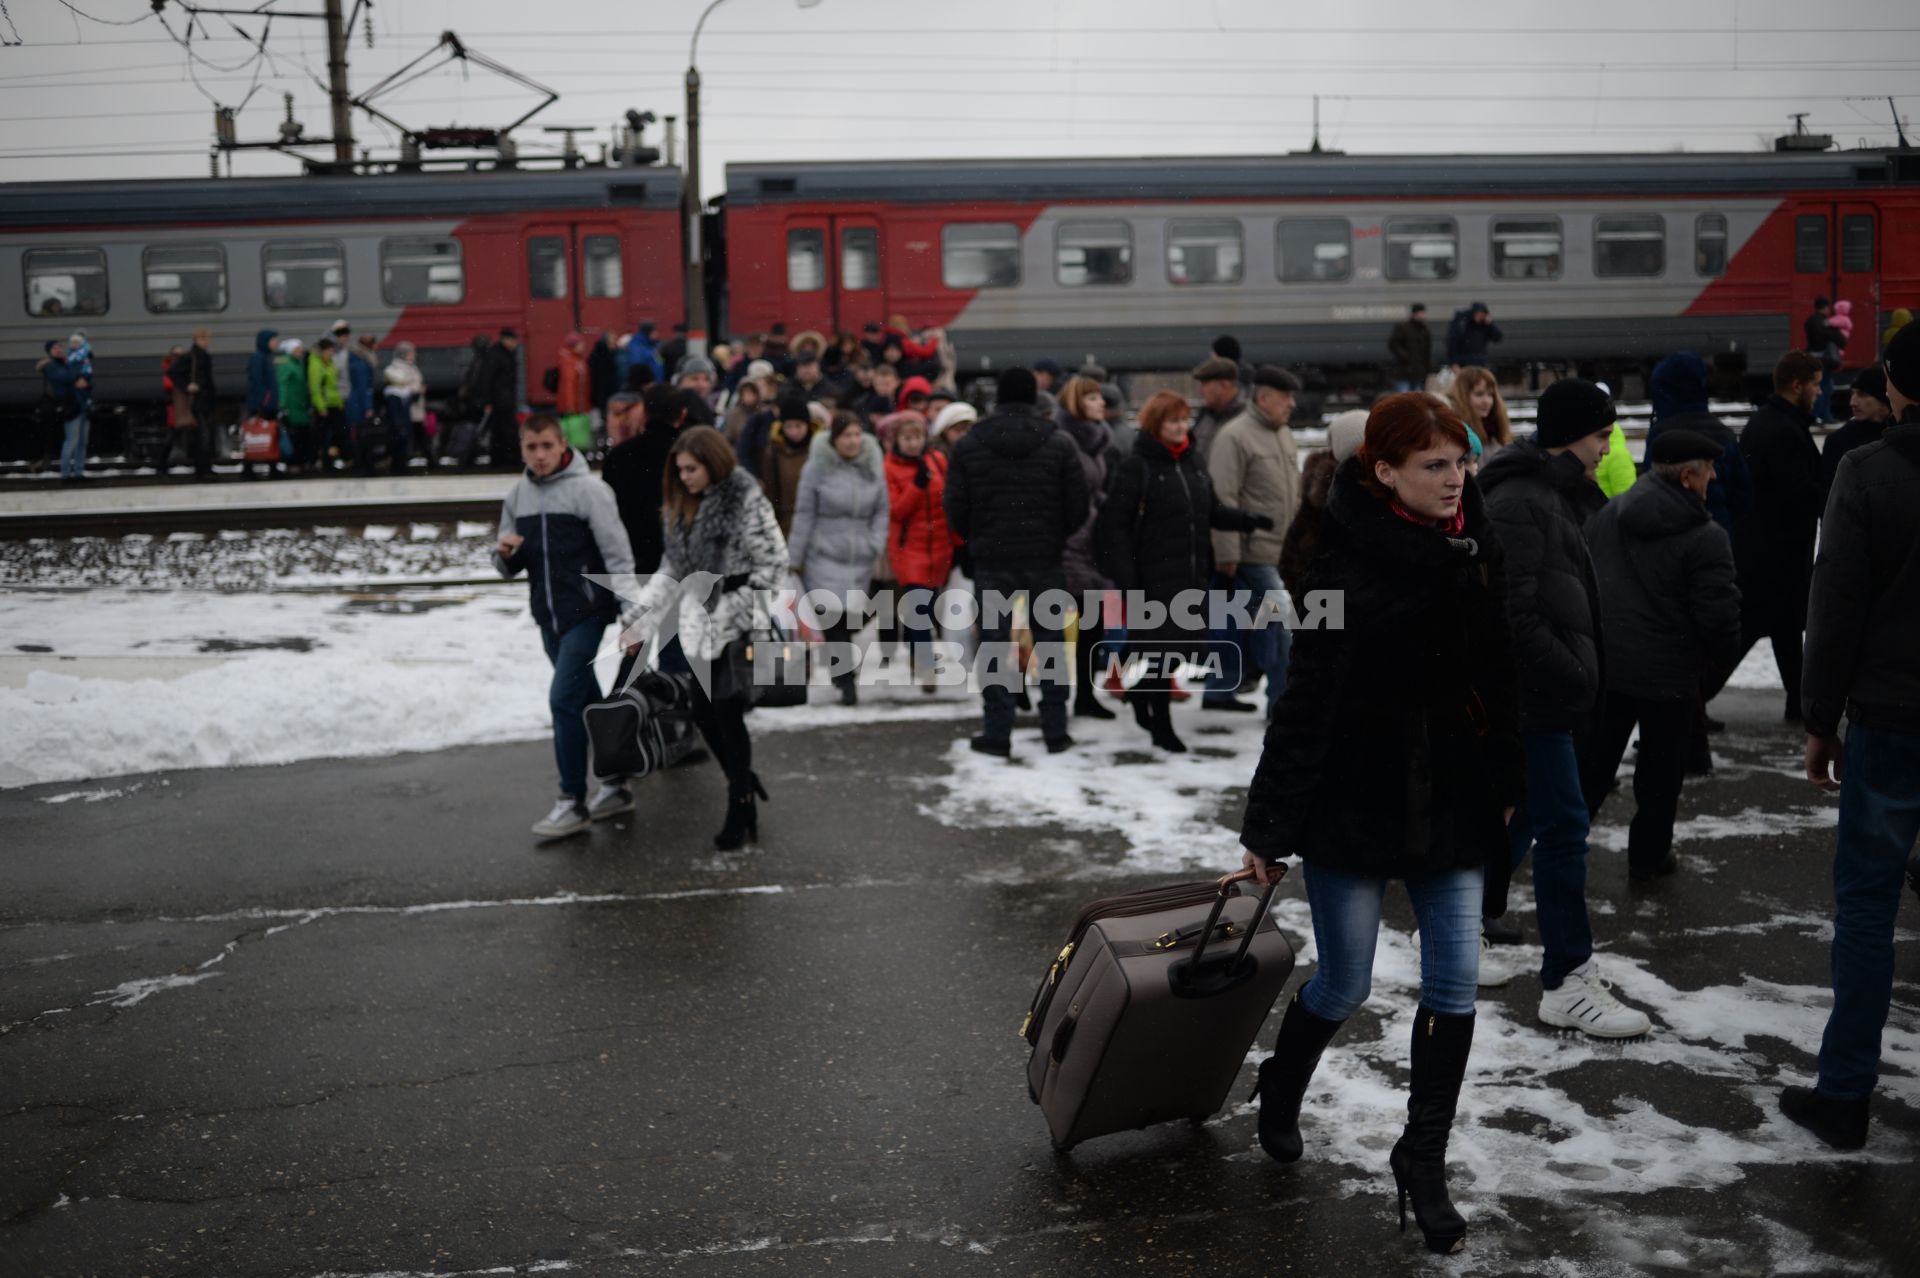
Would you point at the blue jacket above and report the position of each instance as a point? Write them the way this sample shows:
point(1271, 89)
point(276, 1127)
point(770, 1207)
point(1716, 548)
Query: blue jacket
point(59, 377)
point(359, 398)
point(572, 527)
point(641, 350)
point(263, 394)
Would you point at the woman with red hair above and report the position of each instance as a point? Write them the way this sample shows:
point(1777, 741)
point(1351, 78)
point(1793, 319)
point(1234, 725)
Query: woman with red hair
point(1153, 539)
point(1394, 754)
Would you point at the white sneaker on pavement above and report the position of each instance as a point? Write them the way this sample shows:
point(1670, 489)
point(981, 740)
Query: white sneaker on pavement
point(1585, 1002)
point(613, 800)
point(1495, 968)
point(569, 816)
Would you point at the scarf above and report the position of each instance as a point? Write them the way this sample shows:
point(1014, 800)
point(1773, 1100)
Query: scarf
point(703, 546)
point(1178, 450)
point(1452, 527)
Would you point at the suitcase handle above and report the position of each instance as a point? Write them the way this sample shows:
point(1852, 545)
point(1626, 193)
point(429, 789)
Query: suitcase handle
point(1228, 888)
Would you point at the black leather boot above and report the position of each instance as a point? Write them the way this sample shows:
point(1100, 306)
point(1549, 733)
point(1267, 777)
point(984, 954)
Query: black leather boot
point(1419, 1160)
point(1284, 1077)
point(743, 817)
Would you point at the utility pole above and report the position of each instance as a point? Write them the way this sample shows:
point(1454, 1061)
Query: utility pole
point(696, 280)
point(337, 87)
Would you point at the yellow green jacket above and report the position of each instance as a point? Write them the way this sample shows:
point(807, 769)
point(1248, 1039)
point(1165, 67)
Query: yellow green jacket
point(323, 384)
point(1616, 473)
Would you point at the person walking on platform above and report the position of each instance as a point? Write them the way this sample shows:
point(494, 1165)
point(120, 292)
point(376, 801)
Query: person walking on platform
point(1411, 345)
point(1862, 662)
point(839, 531)
point(1669, 612)
point(328, 405)
point(1015, 491)
point(1773, 544)
point(1220, 402)
point(1540, 492)
point(1475, 395)
point(717, 522)
point(560, 526)
point(1082, 415)
point(1255, 466)
point(367, 428)
point(296, 412)
point(263, 390)
point(1415, 691)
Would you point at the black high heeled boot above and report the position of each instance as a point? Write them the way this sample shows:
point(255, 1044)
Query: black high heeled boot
point(1086, 702)
point(743, 817)
point(1160, 724)
point(1284, 1077)
point(1419, 1158)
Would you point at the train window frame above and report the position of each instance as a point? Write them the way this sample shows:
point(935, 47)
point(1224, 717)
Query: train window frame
point(1618, 234)
point(549, 278)
point(593, 282)
point(1077, 225)
point(1801, 223)
point(1191, 226)
point(216, 251)
point(1701, 235)
point(1393, 229)
point(1004, 246)
point(28, 275)
point(1496, 238)
point(799, 237)
point(870, 235)
point(1849, 264)
point(388, 252)
point(266, 296)
point(1285, 276)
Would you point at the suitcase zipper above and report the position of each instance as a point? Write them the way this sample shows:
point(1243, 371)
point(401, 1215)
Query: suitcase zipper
point(1148, 901)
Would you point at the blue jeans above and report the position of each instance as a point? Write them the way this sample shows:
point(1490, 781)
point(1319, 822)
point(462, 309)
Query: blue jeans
point(1553, 822)
point(1049, 642)
point(1266, 647)
point(574, 688)
point(1879, 822)
point(1346, 928)
point(73, 447)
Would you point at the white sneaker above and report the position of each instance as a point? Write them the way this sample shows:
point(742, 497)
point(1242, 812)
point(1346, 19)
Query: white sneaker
point(613, 800)
point(1495, 970)
point(569, 816)
point(1585, 1002)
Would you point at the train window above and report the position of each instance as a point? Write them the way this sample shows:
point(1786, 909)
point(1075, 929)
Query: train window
point(185, 277)
point(1093, 253)
point(1856, 242)
point(547, 267)
point(1635, 244)
point(980, 255)
point(806, 259)
point(600, 260)
point(65, 281)
point(304, 274)
point(1210, 252)
point(1313, 249)
point(1526, 248)
point(422, 272)
point(1810, 242)
point(1422, 248)
point(1710, 244)
point(859, 258)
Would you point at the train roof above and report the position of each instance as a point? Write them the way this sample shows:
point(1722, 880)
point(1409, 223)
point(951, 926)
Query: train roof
point(1315, 176)
point(185, 200)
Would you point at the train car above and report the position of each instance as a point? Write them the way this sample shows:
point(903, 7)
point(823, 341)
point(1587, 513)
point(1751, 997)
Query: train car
point(1604, 260)
point(431, 258)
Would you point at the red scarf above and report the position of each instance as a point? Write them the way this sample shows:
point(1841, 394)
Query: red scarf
point(1179, 449)
point(1452, 526)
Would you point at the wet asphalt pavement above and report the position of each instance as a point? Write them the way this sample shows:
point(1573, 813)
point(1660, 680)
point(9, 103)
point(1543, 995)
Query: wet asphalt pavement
point(346, 1017)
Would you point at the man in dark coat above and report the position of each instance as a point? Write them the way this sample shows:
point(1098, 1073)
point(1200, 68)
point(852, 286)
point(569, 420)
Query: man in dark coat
point(1679, 394)
point(1773, 545)
point(1539, 494)
point(1015, 492)
point(1411, 345)
point(501, 425)
point(1872, 413)
point(1471, 335)
point(1669, 612)
point(1863, 661)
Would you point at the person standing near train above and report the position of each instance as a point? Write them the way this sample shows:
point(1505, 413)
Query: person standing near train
point(500, 426)
point(295, 404)
point(1411, 345)
point(1471, 335)
point(327, 404)
point(193, 397)
point(64, 389)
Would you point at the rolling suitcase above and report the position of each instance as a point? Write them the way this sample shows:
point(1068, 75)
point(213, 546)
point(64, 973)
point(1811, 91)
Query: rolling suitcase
point(1147, 1014)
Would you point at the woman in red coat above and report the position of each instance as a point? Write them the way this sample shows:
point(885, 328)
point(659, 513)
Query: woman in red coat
point(919, 543)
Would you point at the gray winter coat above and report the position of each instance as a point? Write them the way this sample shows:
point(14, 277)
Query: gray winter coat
point(839, 517)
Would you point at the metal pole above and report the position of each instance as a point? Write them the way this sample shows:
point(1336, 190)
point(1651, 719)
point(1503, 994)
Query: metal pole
point(696, 284)
point(337, 86)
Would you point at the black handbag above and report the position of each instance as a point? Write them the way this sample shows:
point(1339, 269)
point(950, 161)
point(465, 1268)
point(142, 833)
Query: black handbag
point(644, 727)
point(764, 668)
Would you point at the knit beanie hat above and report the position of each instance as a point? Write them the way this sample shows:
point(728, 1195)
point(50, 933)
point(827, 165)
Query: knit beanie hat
point(1571, 409)
point(1902, 362)
point(1017, 386)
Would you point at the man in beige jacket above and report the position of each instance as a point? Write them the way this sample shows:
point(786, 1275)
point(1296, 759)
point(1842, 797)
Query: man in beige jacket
point(1255, 466)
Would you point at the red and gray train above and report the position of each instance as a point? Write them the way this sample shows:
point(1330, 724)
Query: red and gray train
point(1605, 261)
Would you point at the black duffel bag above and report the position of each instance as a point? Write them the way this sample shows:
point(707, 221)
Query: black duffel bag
point(644, 727)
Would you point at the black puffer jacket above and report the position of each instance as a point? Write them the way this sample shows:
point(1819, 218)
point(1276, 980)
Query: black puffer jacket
point(1538, 503)
point(1395, 746)
point(1154, 535)
point(1774, 542)
point(1668, 604)
point(1015, 492)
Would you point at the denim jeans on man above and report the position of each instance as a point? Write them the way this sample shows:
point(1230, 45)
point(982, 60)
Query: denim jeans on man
point(73, 447)
point(574, 688)
point(1879, 822)
point(1346, 929)
point(1267, 646)
point(1553, 822)
point(996, 591)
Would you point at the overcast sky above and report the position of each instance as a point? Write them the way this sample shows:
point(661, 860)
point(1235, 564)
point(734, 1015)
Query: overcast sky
point(890, 78)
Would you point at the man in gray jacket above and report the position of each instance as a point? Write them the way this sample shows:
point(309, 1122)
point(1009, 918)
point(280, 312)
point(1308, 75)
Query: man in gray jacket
point(1669, 611)
point(1255, 466)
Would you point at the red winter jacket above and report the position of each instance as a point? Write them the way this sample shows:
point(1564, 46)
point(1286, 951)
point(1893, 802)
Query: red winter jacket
point(576, 381)
point(919, 543)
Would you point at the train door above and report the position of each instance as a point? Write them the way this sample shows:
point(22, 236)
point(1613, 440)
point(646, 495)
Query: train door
point(576, 282)
point(1836, 252)
point(809, 291)
point(833, 274)
point(858, 299)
